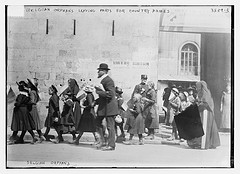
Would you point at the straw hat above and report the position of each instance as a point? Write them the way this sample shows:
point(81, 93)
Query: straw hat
point(175, 90)
point(88, 88)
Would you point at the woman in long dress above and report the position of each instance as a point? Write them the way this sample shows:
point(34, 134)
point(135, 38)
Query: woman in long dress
point(71, 113)
point(72, 92)
point(226, 109)
point(210, 139)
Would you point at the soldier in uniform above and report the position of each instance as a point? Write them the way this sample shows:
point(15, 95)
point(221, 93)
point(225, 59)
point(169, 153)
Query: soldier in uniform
point(141, 88)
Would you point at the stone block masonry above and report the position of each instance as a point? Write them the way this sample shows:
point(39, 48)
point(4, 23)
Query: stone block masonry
point(42, 44)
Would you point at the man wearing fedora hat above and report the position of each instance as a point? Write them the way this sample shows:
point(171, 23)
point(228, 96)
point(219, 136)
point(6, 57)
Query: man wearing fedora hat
point(107, 107)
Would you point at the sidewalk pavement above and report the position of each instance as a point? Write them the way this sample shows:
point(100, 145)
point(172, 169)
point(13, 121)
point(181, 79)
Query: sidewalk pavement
point(161, 136)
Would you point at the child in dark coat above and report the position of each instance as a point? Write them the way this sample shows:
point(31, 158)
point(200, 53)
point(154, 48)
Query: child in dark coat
point(119, 121)
point(53, 117)
point(87, 122)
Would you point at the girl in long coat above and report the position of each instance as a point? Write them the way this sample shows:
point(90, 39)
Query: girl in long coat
point(87, 122)
point(34, 112)
point(137, 124)
point(210, 139)
point(53, 117)
point(152, 120)
point(22, 120)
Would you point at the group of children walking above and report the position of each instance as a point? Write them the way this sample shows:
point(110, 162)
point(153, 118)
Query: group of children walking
point(25, 114)
point(70, 120)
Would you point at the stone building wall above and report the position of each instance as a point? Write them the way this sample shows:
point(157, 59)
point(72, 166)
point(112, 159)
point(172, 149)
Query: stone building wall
point(43, 44)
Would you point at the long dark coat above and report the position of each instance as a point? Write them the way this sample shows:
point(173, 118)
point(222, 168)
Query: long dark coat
point(72, 92)
point(88, 122)
point(53, 111)
point(22, 120)
point(107, 103)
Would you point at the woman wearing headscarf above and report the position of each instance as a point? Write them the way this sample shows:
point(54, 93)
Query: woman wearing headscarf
point(73, 90)
point(71, 113)
point(150, 108)
point(210, 139)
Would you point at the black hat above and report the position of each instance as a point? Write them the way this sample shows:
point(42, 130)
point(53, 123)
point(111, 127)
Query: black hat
point(143, 76)
point(119, 90)
point(103, 66)
point(54, 88)
point(22, 83)
point(22, 86)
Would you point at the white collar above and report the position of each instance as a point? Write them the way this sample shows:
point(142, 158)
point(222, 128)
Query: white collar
point(103, 76)
point(23, 93)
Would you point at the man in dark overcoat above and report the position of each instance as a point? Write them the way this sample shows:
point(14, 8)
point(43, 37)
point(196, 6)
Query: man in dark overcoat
point(107, 107)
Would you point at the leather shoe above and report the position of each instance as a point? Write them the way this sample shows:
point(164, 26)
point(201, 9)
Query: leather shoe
point(108, 148)
point(19, 141)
